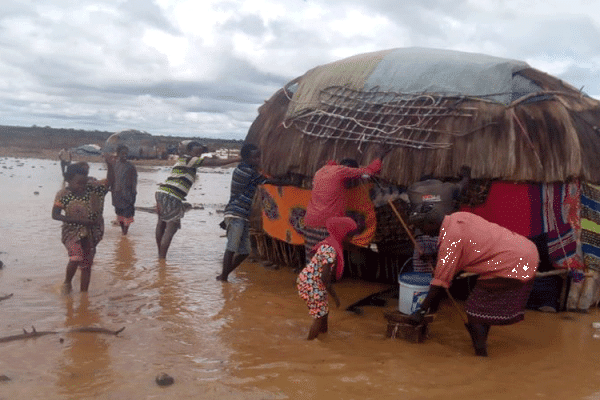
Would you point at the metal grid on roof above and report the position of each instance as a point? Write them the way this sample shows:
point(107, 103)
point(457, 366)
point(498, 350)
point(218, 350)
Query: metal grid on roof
point(397, 119)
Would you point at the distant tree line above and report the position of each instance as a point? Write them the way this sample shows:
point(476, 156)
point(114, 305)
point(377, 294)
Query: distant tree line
point(57, 138)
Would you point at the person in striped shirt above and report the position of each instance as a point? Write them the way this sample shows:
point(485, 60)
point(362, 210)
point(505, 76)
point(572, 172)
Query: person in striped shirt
point(244, 181)
point(170, 195)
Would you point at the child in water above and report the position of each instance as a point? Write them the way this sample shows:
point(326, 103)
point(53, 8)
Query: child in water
point(79, 206)
point(315, 280)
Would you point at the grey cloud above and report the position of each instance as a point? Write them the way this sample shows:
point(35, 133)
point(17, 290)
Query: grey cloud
point(250, 25)
point(147, 12)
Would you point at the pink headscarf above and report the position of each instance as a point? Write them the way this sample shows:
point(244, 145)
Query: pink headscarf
point(338, 228)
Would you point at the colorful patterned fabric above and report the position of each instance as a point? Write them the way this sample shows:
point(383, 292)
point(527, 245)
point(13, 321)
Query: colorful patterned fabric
point(284, 208)
point(338, 228)
point(498, 301)
point(590, 225)
point(560, 216)
point(310, 285)
point(244, 181)
point(125, 221)
point(329, 196)
point(90, 205)
point(182, 177)
point(469, 243)
point(77, 252)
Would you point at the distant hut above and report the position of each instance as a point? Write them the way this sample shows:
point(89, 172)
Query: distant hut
point(531, 141)
point(140, 144)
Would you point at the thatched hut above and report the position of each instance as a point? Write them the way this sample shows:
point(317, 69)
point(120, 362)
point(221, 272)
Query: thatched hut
point(140, 144)
point(513, 125)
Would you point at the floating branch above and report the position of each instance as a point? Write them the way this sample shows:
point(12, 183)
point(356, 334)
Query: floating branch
point(34, 333)
point(8, 296)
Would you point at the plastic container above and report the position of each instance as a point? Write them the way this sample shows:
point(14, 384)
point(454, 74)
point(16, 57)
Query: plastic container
point(414, 287)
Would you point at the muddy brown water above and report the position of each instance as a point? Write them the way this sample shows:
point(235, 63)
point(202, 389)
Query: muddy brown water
point(244, 339)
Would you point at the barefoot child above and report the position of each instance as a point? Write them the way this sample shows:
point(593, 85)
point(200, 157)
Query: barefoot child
point(170, 195)
point(82, 202)
point(315, 280)
point(124, 188)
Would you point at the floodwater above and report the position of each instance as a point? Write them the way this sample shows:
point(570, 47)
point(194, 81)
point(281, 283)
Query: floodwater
point(244, 339)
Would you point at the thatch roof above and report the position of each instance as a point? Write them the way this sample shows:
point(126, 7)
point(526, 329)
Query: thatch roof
point(437, 110)
point(139, 143)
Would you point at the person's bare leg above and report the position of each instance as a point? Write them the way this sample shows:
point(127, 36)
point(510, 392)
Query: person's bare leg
point(86, 274)
point(325, 325)
point(166, 239)
point(230, 263)
point(71, 269)
point(124, 228)
point(160, 231)
point(479, 333)
point(227, 266)
point(317, 327)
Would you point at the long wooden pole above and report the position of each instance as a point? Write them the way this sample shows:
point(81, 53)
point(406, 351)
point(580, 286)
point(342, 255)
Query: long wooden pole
point(406, 228)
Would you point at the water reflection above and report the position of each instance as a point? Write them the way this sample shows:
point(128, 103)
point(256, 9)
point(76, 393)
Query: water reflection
point(86, 367)
point(124, 259)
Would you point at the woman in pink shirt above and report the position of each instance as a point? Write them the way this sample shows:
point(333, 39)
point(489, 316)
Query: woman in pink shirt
point(504, 261)
point(328, 197)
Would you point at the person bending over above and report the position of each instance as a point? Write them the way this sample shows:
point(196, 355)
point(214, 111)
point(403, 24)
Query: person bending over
point(504, 261)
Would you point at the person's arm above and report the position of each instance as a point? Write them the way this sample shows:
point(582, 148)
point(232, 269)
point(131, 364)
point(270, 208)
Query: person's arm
point(369, 170)
point(430, 303)
point(110, 169)
point(59, 216)
point(219, 162)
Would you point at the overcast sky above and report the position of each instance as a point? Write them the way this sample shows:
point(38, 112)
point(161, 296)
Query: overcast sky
point(202, 68)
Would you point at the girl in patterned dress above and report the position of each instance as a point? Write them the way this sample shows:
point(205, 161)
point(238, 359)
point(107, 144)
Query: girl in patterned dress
point(79, 206)
point(315, 280)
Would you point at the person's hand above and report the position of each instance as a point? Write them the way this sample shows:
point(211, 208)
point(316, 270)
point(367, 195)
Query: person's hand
point(89, 222)
point(418, 316)
point(384, 149)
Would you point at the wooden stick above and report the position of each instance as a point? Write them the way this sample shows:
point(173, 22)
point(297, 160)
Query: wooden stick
point(537, 274)
point(8, 296)
point(410, 235)
point(34, 333)
point(460, 312)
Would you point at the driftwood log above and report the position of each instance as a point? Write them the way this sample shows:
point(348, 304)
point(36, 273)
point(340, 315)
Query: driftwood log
point(34, 333)
point(8, 296)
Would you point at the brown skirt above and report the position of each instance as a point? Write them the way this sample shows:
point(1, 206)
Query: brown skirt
point(498, 301)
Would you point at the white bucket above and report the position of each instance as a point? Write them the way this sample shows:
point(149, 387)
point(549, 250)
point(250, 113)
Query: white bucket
point(414, 287)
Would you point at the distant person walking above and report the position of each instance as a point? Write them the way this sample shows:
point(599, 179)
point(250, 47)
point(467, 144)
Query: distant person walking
point(171, 195)
point(79, 206)
point(124, 189)
point(65, 158)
